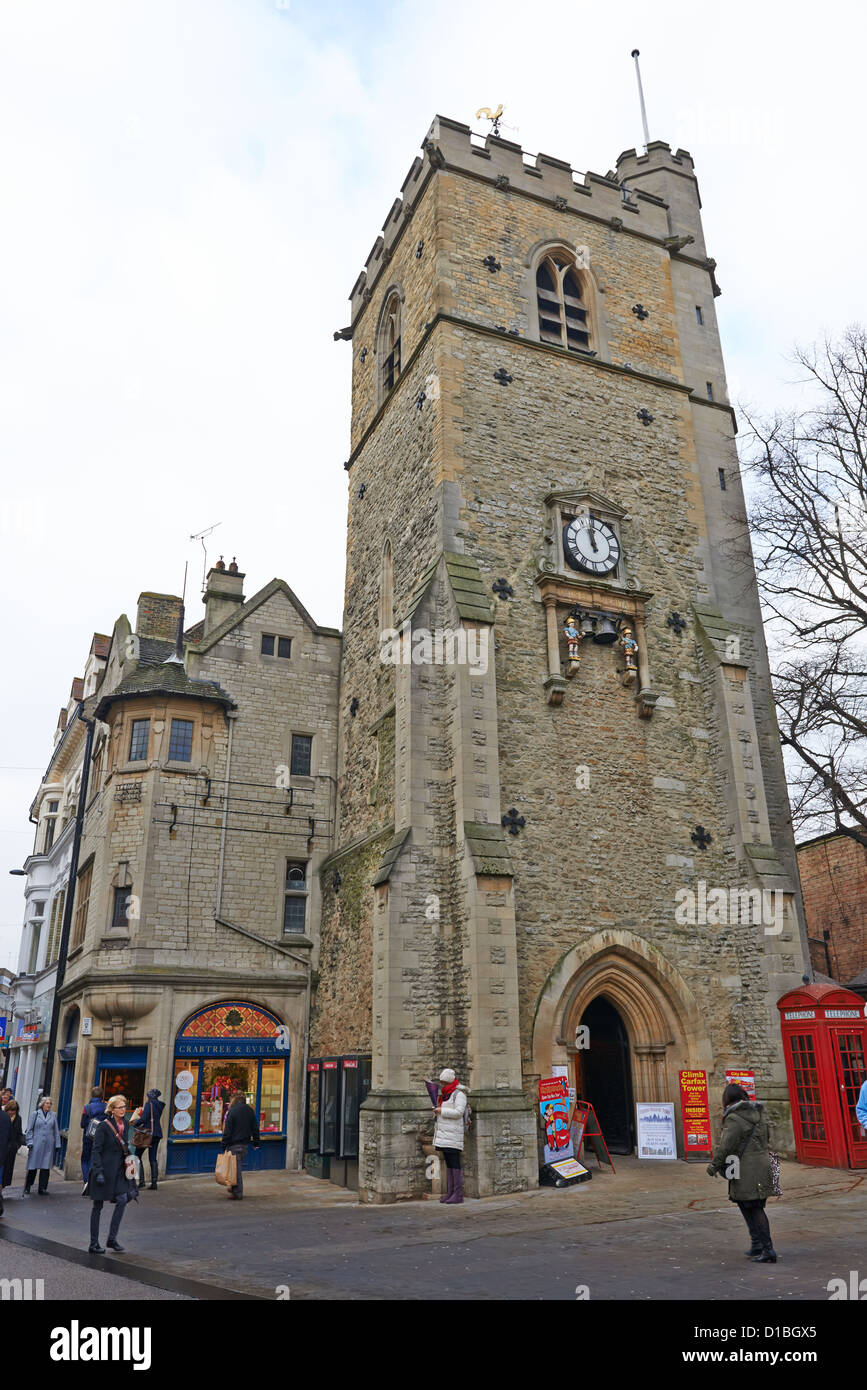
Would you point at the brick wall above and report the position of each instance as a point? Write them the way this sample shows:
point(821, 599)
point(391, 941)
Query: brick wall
point(834, 883)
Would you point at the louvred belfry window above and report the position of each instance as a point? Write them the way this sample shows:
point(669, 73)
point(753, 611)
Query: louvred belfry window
point(563, 315)
point(390, 344)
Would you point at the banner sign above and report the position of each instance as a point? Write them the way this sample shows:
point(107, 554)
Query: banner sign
point(2, 1030)
point(554, 1110)
point(695, 1111)
point(27, 1032)
point(747, 1079)
point(655, 1125)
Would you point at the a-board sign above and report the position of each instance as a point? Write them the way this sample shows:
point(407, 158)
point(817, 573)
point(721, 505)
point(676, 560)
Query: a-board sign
point(656, 1133)
point(554, 1112)
point(695, 1111)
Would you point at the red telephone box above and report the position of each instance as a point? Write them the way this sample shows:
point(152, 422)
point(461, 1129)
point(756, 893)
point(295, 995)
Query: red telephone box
point(825, 1044)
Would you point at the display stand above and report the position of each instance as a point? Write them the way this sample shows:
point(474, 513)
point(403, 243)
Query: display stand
point(589, 1129)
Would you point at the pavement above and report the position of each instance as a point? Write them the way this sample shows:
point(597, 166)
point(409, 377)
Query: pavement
point(650, 1231)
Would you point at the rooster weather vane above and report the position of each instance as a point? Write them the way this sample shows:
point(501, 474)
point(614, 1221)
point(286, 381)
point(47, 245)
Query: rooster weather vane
point(494, 117)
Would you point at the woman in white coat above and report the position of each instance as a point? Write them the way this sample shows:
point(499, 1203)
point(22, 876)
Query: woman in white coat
point(450, 1110)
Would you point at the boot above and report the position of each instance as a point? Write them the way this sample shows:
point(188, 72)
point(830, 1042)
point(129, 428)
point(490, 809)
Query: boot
point(755, 1249)
point(767, 1257)
point(458, 1193)
point(451, 1186)
point(153, 1186)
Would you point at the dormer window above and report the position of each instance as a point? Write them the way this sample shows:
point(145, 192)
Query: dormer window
point(564, 317)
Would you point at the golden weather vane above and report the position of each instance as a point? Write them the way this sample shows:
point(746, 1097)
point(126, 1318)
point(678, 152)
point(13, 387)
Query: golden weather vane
point(492, 116)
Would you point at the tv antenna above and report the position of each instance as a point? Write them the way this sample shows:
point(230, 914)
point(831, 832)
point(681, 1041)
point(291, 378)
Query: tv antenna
point(200, 536)
point(635, 55)
point(495, 117)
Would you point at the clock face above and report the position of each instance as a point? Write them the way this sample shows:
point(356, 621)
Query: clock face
point(590, 545)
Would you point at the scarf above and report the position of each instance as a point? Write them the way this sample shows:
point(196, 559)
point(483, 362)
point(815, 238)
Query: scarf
point(447, 1089)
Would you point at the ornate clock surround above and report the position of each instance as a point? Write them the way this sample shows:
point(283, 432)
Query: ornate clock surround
point(563, 589)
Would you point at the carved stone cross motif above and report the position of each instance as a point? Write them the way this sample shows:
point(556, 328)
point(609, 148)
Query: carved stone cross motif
point(512, 821)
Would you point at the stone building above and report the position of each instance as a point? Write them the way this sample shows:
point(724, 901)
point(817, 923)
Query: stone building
point(833, 871)
point(540, 830)
point(209, 809)
point(46, 871)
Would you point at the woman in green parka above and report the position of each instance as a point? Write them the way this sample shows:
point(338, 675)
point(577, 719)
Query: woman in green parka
point(742, 1156)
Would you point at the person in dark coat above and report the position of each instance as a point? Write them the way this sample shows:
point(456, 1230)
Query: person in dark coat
point(16, 1143)
point(5, 1146)
point(43, 1141)
point(742, 1155)
point(239, 1132)
point(94, 1110)
point(108, 1181)
point(150, 1120)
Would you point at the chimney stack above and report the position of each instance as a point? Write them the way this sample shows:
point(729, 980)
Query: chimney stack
point(158, 616)
point(224, 592)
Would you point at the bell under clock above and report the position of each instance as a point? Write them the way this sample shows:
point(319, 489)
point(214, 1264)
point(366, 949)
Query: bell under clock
point(590, 545)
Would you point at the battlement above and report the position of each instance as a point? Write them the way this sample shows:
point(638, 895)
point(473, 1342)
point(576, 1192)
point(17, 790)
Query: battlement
point(452, 145)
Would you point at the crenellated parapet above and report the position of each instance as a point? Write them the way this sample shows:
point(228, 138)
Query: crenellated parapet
point(453, 147)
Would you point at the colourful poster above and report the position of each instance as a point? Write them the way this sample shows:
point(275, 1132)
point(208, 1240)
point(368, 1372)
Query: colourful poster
point(695, 1111)
point(554, 1110)
point(747, 1079)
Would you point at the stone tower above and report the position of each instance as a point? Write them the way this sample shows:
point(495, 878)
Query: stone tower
point(536, 828)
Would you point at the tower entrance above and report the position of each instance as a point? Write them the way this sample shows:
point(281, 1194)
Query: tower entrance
point(604, 1074)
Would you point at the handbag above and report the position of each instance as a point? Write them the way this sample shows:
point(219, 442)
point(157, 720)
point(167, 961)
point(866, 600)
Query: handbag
point(225, 1172)
point(776, 1185)
point(143, 1138)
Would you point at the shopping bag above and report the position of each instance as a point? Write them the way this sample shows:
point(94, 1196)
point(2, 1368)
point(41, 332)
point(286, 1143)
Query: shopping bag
point(225, 1173)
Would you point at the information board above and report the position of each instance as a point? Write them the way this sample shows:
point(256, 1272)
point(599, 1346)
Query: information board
point(747, 1079)
point(655, 1126)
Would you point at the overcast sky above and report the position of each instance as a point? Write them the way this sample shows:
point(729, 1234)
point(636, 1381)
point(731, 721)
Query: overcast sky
point(189, 191)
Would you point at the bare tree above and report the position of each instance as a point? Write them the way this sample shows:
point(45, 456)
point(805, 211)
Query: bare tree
point(809, 523)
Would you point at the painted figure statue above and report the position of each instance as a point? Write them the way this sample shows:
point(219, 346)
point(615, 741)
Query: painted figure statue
point(573, 641)
point(630, 653)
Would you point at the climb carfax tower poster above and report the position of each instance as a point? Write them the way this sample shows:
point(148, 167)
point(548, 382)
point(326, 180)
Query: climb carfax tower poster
point(695, 1112)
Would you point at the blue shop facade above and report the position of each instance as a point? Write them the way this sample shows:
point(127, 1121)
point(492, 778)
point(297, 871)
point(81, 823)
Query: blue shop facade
point(219, 1050)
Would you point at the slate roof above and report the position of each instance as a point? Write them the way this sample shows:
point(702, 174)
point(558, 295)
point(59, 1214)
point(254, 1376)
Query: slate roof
point(389, 858)
point(465, 578)
point(164, 678)
point(153, 650)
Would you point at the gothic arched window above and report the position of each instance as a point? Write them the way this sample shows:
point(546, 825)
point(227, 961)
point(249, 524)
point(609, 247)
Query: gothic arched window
point(564, 314)
point(388, 346)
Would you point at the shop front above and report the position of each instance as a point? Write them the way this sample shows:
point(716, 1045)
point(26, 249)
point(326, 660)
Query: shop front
point(120, 1071)
point(222, 1049)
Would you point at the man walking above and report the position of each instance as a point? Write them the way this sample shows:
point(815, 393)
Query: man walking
point(239, 1132)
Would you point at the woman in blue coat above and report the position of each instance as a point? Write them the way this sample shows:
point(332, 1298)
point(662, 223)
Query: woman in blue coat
point(108, 1181)
point(43, 1141)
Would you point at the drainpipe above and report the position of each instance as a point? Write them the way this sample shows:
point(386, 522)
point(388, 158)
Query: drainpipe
point(70, 901)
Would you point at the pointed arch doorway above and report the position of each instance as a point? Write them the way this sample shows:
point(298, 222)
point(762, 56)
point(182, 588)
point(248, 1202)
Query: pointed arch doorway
point(603, 1074)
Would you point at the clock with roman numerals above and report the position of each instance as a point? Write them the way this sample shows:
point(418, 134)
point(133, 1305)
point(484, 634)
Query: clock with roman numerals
point(590, 545)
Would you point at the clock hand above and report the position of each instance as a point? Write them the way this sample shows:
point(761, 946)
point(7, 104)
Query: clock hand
point(593, 544)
